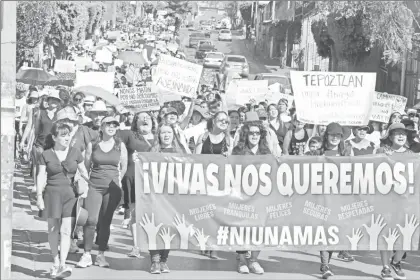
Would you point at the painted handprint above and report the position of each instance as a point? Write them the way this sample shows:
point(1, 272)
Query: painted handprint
point(391, 238)
point(184, 231)
point(151, 230)
point(408, 231)
point(201, 239)
point(355, 238)
point(166, 237)
point(374, 230)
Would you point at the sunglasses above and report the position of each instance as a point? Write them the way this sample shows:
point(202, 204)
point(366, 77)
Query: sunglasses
point(78, 99)
point(223, 121)
point(254, 133)
point(112, 125)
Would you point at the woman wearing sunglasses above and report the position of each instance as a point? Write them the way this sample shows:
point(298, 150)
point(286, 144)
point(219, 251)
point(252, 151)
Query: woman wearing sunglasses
point(108, 166)
point(359, 144)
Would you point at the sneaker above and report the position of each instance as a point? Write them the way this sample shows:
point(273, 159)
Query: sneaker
point(54, 270)
point(85, 261)
point(64, 271)
point(326, 272)
point(73, 247)
point(345, 256)
point(101, 261)
point(155, 268)
point(135, 253)
point(399, 273)
point(243, 268)
point(386, 274)
point(164, 267)
point(255, 267)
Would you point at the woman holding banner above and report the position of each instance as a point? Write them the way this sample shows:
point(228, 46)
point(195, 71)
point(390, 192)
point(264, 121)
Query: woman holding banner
point(252, 141)
point(396, 142)
point(165, 143)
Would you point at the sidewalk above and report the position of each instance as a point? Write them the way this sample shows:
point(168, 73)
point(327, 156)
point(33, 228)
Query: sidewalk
point(31, 255)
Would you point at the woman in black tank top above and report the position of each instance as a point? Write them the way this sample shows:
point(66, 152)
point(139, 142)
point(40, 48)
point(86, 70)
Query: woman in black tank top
point(296, 139)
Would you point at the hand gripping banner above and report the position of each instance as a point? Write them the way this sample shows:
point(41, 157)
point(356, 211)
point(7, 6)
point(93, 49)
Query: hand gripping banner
point(210, 202)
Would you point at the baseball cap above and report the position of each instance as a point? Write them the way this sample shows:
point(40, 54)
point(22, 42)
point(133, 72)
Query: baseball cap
point(110, 120)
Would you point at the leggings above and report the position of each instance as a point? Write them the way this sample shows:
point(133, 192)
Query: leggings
point(101, 205)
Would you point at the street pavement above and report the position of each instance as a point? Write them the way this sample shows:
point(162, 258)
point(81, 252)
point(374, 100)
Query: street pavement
point(31, 255)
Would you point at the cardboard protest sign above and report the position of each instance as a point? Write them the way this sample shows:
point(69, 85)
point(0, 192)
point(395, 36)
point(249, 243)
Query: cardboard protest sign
point(82, 62)
point(103, 80)
point(177, 76)
point(140, 98)
point(118, 62)
point(260, 203)
point(103, 56)
point(242, 91)
point(325, 97)
point(64, 66)
point(133, 75)
point(385, 104)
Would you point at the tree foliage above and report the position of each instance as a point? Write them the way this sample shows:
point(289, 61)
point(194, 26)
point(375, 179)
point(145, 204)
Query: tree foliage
point(96, 11)
point(148, 7)
point(387, 24)
point(33, 22)
point(69, 25)
point(246, 11)
point(232, 8)
point(178, 10)
point(124, 10)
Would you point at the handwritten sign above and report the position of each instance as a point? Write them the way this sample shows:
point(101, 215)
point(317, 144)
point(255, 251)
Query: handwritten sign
point(325, 97)
point(104, 56)
point(82, 62)
point(64, 66)
point(385, 104)
point(177, 76)
point(140, 98)
point(240, 92)
point(103, 80)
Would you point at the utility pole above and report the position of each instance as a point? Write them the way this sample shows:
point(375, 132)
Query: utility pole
point(8, 93)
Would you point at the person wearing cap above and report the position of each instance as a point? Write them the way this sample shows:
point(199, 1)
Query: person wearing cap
point(396, 142)
point(197, 127)
point(412, 139)
point(108, 165)
point(252, 142)
point(56, 196)
point(359, 144)
point(96, 114)
point(87, 106)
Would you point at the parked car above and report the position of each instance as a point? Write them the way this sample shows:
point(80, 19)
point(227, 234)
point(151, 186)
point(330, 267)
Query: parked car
point(203, 48)
point(235, 63)
point(213, 59)
point(219, 26)
point(272, 78)
point(225, 35)
point(195, 37)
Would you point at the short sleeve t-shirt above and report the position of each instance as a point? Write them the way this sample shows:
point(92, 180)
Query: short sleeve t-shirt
point(55, 170)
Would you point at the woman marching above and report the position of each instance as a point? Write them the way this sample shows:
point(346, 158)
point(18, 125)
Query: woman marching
point(295, 139)
point(166, 142)
point(57, 167)
point(108, 165)
point(252, 142)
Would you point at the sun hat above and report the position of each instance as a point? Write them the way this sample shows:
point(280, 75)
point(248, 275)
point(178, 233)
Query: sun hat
point(110, 120)
point(171, 110)
point(204, 113)
point(55, 94)
point(98, 106)
point(251, 117)
point(81, 216)
point(90, 99)
point(67, 113)
point(400, 125)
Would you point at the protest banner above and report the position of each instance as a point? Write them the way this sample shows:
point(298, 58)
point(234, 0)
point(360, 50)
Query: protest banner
point(64, 66)
point(103, 56)
point(325, 97)
point(275, 98)
point(385, 104)
point(103, 80)
point(262, 203)
point(242, 91)
point(82, 62)
point(118, 62)
point(139, 98)
point(177, 76)
point(133, 75)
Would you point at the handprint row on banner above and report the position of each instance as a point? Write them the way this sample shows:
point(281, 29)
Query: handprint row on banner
point(185, 232)
point(376, 227)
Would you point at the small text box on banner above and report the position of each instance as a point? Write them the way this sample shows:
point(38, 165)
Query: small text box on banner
point(140, 98)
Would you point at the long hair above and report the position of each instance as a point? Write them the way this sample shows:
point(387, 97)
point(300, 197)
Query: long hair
point(342, 151)
point(134, 126)
point(210, 121)
point(243, 143)
point(43, 99)
point(157, 145)
point(117, 139)
point(56, 129)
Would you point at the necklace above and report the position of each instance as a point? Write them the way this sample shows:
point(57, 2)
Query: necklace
point(223, 146)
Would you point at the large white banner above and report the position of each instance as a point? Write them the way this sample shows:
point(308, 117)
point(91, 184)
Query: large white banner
point(325, 97)
point(242, 91)
point(103, 80)
point(385, 104)
point(177, 76)
point(64, 66)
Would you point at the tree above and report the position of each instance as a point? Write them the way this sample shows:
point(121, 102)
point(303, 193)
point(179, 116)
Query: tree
point(33, 23)
point(178, 10)
point(148, 7)
point(69, 25)
point(246, 13)
point(96, 13)
point(386, 24)
point(232, 10)
point(124, 10)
